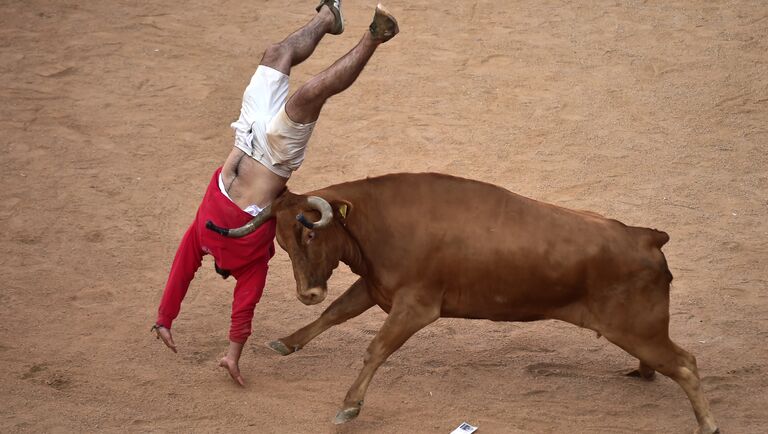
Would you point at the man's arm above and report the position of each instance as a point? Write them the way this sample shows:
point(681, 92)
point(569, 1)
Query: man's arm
point(188, 259)
point(248, 290)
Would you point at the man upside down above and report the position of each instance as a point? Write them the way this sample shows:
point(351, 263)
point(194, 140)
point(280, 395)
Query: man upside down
point(271, 137)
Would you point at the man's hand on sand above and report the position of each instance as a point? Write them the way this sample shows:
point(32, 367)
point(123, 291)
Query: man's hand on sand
point(231, 361)
point(165, 334)
point(234, 370)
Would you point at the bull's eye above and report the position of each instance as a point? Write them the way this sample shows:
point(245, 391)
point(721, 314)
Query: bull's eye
point(310, 236)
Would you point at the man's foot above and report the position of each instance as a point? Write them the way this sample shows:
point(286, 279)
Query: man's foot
point(384, 26)
point(233, 369)
point(335, 7)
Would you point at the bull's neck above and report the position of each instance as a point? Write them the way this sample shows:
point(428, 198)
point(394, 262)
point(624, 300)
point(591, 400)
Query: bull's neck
point(352, 254)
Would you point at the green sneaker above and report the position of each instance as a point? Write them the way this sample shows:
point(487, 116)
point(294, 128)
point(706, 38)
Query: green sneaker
point(384, 26)
point(335, 7)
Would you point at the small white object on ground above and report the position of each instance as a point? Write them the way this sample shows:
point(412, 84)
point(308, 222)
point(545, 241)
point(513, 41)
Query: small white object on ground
point(464, 428)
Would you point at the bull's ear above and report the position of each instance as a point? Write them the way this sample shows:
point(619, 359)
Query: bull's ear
point(341, 209)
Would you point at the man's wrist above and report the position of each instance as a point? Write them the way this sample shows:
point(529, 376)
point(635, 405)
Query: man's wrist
point(158, 326)
point(164, 321)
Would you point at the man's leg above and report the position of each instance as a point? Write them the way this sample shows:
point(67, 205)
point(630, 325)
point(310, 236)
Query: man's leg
point(299, 45)
point(265, 95)
point(305, 105)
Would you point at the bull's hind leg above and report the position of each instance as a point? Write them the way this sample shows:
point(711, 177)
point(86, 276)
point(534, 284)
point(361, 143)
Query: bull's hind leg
point(661, 354)
point(350, 304)
point(577, 314)
point(408, 315)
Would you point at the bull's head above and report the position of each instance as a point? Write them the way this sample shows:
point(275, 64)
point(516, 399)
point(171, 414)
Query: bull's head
point(306, 230)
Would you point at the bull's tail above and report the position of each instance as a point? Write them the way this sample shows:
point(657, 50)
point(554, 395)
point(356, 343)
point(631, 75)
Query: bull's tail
point(651, 237)
point(659, 238)
point(655, 240)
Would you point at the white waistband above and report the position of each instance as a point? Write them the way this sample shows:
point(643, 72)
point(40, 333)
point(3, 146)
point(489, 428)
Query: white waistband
point(250, 209)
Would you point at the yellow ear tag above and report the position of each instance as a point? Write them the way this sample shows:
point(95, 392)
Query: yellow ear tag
point(343, 210)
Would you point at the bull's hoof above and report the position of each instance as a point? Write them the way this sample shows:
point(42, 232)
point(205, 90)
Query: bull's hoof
point(707, 430)
point(346, 415)
point(280, 348)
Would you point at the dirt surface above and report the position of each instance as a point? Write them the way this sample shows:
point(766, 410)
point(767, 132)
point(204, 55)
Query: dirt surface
point(115, 113)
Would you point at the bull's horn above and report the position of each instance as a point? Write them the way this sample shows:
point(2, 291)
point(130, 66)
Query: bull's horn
point(319, 204)
point(246, 229)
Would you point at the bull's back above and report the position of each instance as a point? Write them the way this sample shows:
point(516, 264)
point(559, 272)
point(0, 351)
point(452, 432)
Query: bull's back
point(491, 253)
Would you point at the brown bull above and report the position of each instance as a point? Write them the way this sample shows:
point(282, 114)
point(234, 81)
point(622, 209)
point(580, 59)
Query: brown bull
point(428, 246)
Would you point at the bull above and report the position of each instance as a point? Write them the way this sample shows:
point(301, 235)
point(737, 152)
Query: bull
point(428, 245)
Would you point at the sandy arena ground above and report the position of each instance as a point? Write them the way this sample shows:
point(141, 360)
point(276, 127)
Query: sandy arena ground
point(113, 115)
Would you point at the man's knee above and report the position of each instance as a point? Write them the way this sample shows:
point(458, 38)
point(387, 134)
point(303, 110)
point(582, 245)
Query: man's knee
point(277, 56)
point(307, 95)
point(304, 106)
point(274, 52)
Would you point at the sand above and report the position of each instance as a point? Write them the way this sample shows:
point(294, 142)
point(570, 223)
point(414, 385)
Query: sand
point(115, 113)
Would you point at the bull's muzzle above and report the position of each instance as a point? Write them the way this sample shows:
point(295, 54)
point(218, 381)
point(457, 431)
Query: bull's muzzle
point(312, 295)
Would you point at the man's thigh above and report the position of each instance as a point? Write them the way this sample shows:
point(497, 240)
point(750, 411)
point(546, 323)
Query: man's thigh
point(265, 95)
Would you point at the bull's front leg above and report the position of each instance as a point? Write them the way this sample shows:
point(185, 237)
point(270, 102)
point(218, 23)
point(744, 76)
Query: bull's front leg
point(350, 304)
point(409, 314)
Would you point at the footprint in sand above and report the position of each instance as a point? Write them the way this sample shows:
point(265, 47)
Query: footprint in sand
point(58, 381)
point(94, 237)
point(33, 371)
point(39, 373)
point(56, 71)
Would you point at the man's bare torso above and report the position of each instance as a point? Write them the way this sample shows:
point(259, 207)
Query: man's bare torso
point(248, 182)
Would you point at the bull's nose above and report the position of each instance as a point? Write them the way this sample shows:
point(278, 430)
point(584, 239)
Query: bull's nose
point(312, 296)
